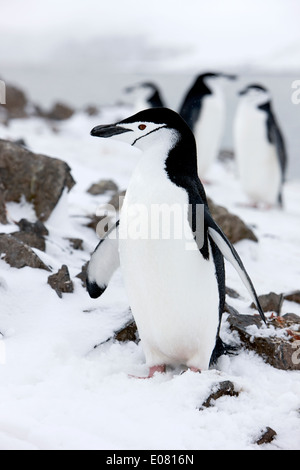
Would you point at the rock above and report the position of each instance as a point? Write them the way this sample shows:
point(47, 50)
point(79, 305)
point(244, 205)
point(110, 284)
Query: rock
point(61, 282)
point(16, 102)
point(19, 255)
point(76, 243)
point(3, 219)
point(117, 200)
point(270, 302)
point(233, 227)
point(226, 155)
point(279, 350)
point(91, 110)
point(40, 179)
point(32, 234)
point(127, 333)
point(82, 274)
point(267, 436)
point(219, 390)
point(232, 293)
point(293, 296)
point(102, 187)
point(60, 112)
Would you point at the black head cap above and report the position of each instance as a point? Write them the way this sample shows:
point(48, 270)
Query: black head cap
point(163, 116)
point(253, 86)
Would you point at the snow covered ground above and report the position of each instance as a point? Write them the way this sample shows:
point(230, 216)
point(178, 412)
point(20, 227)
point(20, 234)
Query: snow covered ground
point(58, 392)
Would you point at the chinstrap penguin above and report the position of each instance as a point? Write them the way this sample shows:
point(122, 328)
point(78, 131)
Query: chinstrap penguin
point(176, 294)
point(142, 96)
point(259, 147)
point(203, 109)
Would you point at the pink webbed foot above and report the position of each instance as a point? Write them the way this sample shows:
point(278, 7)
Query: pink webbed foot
point(195, 369)
point(161, 369)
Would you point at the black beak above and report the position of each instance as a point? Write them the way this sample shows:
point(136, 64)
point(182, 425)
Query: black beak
point(243, 92)
point(229, 76)
point(108, 131)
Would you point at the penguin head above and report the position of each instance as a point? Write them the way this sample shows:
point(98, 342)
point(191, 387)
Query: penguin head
point(147, 128)
point(140, 93)
point(211, 81)
point(255, 95)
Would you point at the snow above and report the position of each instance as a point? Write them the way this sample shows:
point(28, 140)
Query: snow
point(58, 392)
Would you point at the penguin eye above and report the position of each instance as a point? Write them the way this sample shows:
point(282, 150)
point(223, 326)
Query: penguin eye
point(142, 127)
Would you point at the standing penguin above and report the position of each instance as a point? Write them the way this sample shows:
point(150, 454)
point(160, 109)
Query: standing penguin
point(143, 96)
point(203, 109)
point(259, 147)
point(176, 293)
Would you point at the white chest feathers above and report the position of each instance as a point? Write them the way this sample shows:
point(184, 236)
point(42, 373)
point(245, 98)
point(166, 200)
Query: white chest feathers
point(256, 157)
point(172, 290)
point(209, 130)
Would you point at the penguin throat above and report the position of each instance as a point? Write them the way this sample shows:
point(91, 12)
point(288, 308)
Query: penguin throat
point(182, 160)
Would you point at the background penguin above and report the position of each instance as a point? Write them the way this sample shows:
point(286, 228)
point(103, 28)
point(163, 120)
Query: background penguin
point(143, 96)
point(203, 109)
point(259, 147)
point(176, 294)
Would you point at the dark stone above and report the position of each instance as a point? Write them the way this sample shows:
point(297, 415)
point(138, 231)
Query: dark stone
point(293, 296)
point(19, 255)
point(16, 102)
point(127, 333)
point(117, 200)
point(233, 227)
point(270, 302)
point(40, 179)
point(60, 112)
point(76, 243)
point(61, 282)
point(222, 389)
point(279, 351)
point(102, 187)
point(82, 275)
point(3, 218)
point(32, 234)
point(267, 436)
point(232, 293)
point(91, 110)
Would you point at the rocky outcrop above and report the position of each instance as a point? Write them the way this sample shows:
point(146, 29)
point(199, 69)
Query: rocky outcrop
point(102, 187)
point(18, 254)
point(232, 225)
point(40, 179)
point(59, 112)
point(278, 345)
point(32, 234)
point(270, 302)
point(61, 282)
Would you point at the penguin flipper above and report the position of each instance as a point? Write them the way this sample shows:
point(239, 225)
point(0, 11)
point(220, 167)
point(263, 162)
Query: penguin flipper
point(104, 262)
point(230, 253)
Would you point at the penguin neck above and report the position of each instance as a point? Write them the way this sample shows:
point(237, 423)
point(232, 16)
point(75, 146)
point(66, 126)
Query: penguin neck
point(173, 153)
point(182, 159)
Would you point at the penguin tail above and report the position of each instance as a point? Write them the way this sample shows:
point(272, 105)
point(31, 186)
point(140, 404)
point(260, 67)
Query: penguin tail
point(222, 349)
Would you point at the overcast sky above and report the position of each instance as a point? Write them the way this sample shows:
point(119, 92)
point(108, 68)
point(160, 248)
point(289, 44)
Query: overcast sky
point(245, 32)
